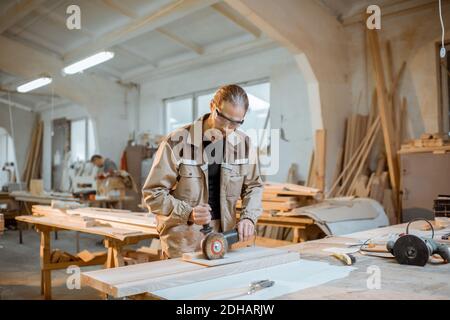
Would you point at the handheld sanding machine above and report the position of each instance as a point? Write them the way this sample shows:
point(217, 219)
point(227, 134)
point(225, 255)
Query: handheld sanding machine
point(413, 250)
point(215, 245)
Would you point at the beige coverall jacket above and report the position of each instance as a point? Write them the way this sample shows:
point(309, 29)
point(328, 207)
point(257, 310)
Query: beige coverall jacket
point(178, 181)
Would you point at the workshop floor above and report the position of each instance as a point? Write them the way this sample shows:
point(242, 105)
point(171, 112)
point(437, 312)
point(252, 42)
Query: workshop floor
point(19, 265)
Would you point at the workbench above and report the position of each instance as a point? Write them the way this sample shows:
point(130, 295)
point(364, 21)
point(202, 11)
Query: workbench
point(297, 224)
point(27, 198)
point(395, 281)
point(114, 242)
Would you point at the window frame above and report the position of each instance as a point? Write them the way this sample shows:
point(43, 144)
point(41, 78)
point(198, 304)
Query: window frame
point(196, 94)
point(443, 80)
point(86, 132)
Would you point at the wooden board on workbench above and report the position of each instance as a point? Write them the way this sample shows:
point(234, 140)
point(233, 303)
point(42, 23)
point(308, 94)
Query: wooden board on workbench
point(232, 256)
point(152, 276)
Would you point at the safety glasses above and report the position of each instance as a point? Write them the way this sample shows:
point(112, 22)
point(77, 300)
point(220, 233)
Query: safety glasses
point(225, 119)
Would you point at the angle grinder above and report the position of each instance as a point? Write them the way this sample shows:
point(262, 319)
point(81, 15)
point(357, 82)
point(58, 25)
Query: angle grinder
point(413, 250)
point(215, 244)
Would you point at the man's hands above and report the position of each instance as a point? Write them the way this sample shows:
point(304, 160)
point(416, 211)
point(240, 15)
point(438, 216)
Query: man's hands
point(246, 230)
point(201, 214)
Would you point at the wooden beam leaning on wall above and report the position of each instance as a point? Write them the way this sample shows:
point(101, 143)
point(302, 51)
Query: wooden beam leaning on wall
point(386, 120)
point(320, 159)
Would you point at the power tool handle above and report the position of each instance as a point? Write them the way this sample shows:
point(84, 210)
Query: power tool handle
point(206, 229)
point(443, 251)
point(390, 246)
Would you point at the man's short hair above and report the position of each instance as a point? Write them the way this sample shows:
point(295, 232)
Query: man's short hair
point(95, 157)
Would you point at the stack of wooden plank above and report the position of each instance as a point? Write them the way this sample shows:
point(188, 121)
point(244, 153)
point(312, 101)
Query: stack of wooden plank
point(90, 217)
point(364, 147)
point(428, 142)
point(33, 164)
point(285, 196)
point(62, 256)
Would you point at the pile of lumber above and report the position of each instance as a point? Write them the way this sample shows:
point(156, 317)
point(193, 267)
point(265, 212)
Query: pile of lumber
point(369, 165)
point(428, 142)
point(58, 256)
point(33, 164)
point(141, 255)
point(285, 196)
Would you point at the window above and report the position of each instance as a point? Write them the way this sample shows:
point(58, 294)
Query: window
point(178, 113)
point(82, 141)
point(184, 110)
point(6, 157)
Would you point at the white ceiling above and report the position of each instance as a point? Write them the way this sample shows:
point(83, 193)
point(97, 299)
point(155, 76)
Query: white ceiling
point(212, 31)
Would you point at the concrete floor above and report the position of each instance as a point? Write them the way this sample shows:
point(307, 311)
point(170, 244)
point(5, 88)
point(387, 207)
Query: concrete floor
point(19, 266)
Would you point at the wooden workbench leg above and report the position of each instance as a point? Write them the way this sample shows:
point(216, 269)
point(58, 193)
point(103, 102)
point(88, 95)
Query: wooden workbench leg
point(114, 258)
point(296, 235)
point(110, 258)
point(118, 258)
point(46, 276)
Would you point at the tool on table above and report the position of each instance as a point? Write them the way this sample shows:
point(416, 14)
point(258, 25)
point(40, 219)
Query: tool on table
point(241, 292)
point(346, 258)
point(445, 236)
point(259, 285)
point(413, 250)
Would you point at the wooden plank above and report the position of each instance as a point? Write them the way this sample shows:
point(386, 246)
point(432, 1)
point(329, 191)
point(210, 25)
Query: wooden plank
point(36, 187)
point(134, 218)
point(61, 223)
point(232, 256)
point(310, 181)
point(386, 122)
point(168, 275)
point(321, 159)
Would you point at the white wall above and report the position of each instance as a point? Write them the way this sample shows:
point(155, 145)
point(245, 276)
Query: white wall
point(288, 98)
point(23, 122)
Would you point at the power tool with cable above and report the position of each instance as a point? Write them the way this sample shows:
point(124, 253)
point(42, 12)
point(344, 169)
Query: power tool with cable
point(413, 250)
point(215, 244)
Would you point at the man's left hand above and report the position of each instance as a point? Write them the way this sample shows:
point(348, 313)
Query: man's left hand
point(246, 230)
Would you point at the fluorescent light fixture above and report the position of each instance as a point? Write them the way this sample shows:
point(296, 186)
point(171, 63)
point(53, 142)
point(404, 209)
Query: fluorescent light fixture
point(89, 62)
point(29, 86)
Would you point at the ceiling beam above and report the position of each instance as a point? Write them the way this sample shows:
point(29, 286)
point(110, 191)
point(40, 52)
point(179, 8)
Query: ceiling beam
point(85, 89)
point(31, 21)
point(170, 66)
point(183, 42)
point(136, 53)
point(120, 9)
point(16, 104)
point(17, 12)
point(169, 13)
point(394, 9)
point(38, 41)
point(240, 21)
point(62, 20)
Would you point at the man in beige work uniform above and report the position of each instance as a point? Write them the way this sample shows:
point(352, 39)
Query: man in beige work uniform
point(199, 173)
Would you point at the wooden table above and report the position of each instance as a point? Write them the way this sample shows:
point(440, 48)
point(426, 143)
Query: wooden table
point(28, 199)
point(114, 243)
point(297, 224)
point(397, 281)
